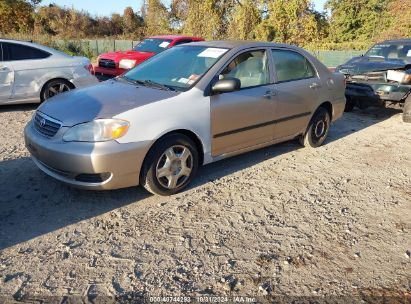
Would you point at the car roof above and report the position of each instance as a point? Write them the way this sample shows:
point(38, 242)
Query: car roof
point(174, 37)
point(35, 45)
point(232, 44)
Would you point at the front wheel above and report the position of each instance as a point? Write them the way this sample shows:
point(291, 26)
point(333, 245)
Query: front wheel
point(317, 130)
point(170, 165)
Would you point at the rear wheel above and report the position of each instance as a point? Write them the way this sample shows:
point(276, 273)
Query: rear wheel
point(317, 130)
point(54, 88)
point(170, 165)
point(406, 115)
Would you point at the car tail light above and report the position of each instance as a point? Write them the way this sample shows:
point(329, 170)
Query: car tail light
point(89, 68)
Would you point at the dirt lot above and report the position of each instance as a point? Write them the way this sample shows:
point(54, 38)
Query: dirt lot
point(282, 221)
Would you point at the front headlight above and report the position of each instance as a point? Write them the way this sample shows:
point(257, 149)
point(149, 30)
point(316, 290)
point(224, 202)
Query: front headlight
point(127, 64)
point(97, 130)
point(403, 77)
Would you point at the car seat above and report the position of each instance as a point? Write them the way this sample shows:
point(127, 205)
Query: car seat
point(251, 72)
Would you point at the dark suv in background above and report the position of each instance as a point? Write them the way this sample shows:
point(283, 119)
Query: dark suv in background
point(382, 76)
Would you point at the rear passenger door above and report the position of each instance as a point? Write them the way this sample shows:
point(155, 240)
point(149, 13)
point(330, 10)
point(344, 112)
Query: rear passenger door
point(28, 66)
point(6, 77)
point(297, 86)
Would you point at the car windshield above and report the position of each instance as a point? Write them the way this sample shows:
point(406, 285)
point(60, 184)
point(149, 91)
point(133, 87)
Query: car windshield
point(391, 51)
point(178, 68)
point(152, 45)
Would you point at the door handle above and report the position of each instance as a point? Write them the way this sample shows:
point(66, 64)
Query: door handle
point(314, 85)
point(3, 68)
point(270, 94)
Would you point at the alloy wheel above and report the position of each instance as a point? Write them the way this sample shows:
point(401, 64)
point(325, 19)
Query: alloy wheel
point(174, 167)
point(57, 89)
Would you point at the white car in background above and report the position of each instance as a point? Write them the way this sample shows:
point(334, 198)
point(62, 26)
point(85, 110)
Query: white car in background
point(31, 73)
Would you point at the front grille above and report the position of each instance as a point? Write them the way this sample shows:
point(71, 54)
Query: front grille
point(46, 125)
point(107, 63)
point(371, 76)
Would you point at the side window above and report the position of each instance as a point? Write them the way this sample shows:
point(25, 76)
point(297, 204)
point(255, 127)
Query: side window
point(183, 41)
point(22, 52)
point(5, 51)
point(250, 67)
point(404, 52)
point(290, 66)
point(1, 51)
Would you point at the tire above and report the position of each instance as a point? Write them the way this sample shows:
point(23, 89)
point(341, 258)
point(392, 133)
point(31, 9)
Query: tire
point(317, 130)
point(170, 165)
point(55, 87)
point(349, 105)
point(406, 115)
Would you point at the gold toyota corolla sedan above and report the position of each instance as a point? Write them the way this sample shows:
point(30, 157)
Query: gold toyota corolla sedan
point(191, 105)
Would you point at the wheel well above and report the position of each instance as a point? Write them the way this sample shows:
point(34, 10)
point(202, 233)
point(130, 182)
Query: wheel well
point(194, 138)
point(59, 78)
point(190, 135)
point(328, 106)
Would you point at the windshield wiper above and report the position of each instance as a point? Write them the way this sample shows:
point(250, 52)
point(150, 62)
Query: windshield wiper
point(150, 83)
point(124, 78)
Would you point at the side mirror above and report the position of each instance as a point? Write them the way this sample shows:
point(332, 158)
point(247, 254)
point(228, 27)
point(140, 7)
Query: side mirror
point(226, 85)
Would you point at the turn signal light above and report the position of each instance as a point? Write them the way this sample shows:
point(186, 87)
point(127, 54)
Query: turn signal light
point(118, 132)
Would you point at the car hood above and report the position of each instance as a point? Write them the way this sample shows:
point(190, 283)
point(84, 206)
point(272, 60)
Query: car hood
point(117, 56)
point(366, 64)
point(103, 100)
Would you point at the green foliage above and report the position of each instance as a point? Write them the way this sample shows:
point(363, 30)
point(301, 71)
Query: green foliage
point(76, 48)
point(357, 20)
point(348, 24)
point(130, 23)
point(292, 21)
point(16, 15)
point(342, 46)
point(204, 18)
point(157, 18)
point(245, 19)
point(399, 20)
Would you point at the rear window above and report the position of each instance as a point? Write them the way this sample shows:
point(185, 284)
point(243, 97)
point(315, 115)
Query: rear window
point(15, 52)
point(183, 41)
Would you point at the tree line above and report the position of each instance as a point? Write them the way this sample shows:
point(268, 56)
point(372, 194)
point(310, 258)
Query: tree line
point(352, 24)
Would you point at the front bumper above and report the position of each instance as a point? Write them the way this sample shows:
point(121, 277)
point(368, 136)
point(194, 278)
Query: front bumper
point(376, 94)
point(93, 166)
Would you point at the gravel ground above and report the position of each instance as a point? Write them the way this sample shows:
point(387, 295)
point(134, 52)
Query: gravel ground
point(284, 220)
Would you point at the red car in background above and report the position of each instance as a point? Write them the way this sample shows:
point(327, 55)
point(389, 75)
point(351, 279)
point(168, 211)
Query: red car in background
point(116, 63)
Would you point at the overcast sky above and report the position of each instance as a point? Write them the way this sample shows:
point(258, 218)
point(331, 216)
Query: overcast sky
point(107, 7)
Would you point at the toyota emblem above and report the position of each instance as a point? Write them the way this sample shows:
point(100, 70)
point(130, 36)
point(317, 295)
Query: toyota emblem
point(42, 122)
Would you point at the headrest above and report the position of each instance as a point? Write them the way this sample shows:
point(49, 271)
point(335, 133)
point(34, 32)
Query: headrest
point(253, 64)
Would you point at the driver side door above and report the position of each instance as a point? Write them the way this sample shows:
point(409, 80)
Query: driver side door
point(242, 119)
